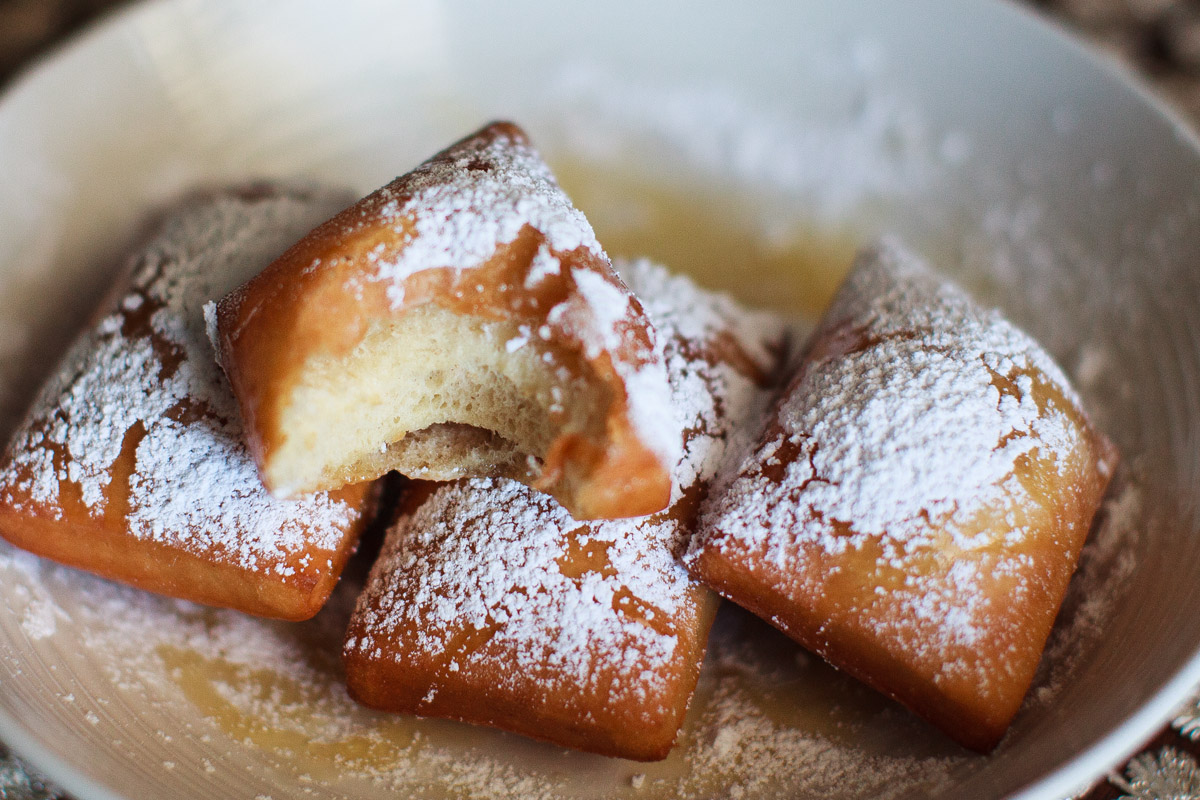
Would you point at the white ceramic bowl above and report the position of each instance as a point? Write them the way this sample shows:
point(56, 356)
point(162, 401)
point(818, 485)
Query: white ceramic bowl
point(753, 144)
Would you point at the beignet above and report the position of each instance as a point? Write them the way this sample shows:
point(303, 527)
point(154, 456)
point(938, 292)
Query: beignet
point(131, 463)
point(462, 321)
point(917, 503)
point(490, 604)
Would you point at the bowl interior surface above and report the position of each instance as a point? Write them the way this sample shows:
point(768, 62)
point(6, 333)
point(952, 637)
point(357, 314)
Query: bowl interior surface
point(754, 147)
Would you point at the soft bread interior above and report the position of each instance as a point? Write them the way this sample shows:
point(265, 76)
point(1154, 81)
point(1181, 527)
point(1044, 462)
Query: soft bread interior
point(434, 394)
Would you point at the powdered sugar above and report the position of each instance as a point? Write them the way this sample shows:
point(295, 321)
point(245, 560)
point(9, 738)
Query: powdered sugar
point(903, 427)
point(925, 416)
point(698, 315)
point(600, 315)
point(691, 319)
point(544, 265)
point(766, 721)
point(864, 141)
point(144, 377)
point(484, 556)
point(470, 200)
point(494, 557)
point(457, 211)
point(106, 367)
point(611, 307)
point(890, 461)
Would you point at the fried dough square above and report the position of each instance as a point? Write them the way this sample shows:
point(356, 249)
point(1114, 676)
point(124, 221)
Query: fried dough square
point(462, 321)
point(916, 506)
point(131, 462)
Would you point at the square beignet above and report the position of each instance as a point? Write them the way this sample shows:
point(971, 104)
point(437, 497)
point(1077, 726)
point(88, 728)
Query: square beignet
point(462, 321)
point(490, 604)
point(131, 463)
point(917, 504)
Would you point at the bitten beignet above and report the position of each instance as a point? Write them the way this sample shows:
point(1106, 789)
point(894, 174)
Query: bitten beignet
point(131, 463)
point(462, 321)
point(490, 604)
point(917, 504)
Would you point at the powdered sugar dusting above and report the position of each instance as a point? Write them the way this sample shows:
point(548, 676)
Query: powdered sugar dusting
point(144, 376)
point(1107, 564)
point(457, 208)
point(489, 555)
point(925, 415)
point(863, 140)
point(767, 721)
point(484, 555)
point(611, 306)
point(687, 315)
point(599, 314)
point(905, 423)
point(544, 265)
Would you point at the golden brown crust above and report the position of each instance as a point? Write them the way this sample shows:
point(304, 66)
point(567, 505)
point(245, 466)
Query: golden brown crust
point(294, 587)
point(829, 606)
point(322, 297)
point(130, 464)
point(598, 712)
point(864, 529)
